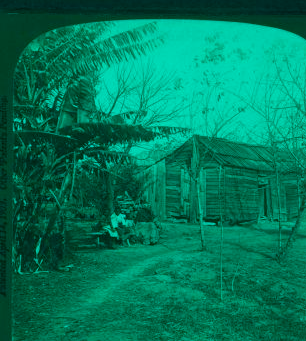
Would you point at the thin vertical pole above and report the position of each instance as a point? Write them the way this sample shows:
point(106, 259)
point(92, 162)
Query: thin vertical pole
point(221, 237)
point(279, 211)
point(201, 214)
point(195, 172)
point(195, 164)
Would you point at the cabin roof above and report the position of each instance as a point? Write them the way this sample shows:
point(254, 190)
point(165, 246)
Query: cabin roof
point(233, 154)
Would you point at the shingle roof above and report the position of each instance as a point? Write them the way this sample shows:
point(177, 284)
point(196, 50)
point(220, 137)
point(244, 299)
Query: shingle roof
point(228, 153)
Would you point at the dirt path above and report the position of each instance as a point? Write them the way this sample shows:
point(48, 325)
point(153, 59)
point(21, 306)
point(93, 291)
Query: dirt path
point(112, 293)
point(109, 286)
point(98, 286)
point(170, 292)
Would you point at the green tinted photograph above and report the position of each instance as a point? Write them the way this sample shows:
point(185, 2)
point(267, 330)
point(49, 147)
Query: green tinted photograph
point(159, 183)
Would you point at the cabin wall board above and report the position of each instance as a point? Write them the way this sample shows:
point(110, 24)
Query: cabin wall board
point(245, 194)
point(154, 182)
point(148, 183)
point(173, 188)
point(185, 192)
point(203, 191)
point(212, 192)
point(242, 195)
point(291, 185)
point(292, 200)
point(262, 197)
point(159, 204)
point(276, 210)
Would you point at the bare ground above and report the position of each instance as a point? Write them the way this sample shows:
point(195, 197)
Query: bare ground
point(171, 291)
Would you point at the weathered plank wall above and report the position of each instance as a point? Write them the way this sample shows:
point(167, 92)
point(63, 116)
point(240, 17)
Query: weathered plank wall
point(262, 200)
point(154, 182)
point(212, 192)
point(241, 194)
point(275, 200)
point(291, 185)
point(159, 205)
point(203, 191)
point(185, 192)
point(209, 192)
point(173, 188)
point(146, 179)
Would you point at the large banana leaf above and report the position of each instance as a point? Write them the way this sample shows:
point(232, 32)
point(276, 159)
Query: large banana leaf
point(105, 156)
point(50, 65)
point(84, 48)
point(167, 130)
point(108, 133)
point(62, 144)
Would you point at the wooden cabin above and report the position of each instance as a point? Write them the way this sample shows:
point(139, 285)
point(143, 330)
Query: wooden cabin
point(234, 181)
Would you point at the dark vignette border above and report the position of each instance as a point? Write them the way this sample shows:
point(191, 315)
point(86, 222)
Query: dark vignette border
point(214, 7)
point(22, 21)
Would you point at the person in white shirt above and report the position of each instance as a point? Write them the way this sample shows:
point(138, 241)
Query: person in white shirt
point(118, 223)
point(117, 218)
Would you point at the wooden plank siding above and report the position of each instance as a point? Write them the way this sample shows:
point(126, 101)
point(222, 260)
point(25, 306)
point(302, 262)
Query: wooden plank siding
point(292, 200)
point(238, 197)
point(275, 200)
point(173, 188)
point(212, 192)
point(185, 192)
point(155, 189)
point(147, 178)
point(242, 197)
point(291, 184)
point(203, 191)
point(159, 204)
point(245, 193)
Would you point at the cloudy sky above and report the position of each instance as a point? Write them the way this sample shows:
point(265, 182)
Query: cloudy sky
point(236, 56)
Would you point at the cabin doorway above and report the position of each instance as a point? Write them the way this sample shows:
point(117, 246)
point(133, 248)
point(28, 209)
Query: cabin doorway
point(263, 200)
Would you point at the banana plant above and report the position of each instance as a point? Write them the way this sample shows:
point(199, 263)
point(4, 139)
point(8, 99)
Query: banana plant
point(58, 62)
point(38, 172)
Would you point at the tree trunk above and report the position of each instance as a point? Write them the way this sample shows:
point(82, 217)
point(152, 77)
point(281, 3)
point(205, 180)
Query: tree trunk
point(201, 216)
point(110, 193)
point(194, 176)
point(279, 210)
point(300, 222)
point(193, 201)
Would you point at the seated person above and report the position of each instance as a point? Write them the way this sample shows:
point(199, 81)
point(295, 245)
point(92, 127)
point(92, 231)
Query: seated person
point(118, 223)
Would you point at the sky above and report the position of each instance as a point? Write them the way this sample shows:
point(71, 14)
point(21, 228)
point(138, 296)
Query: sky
point(236, 55)
point(218, 70)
